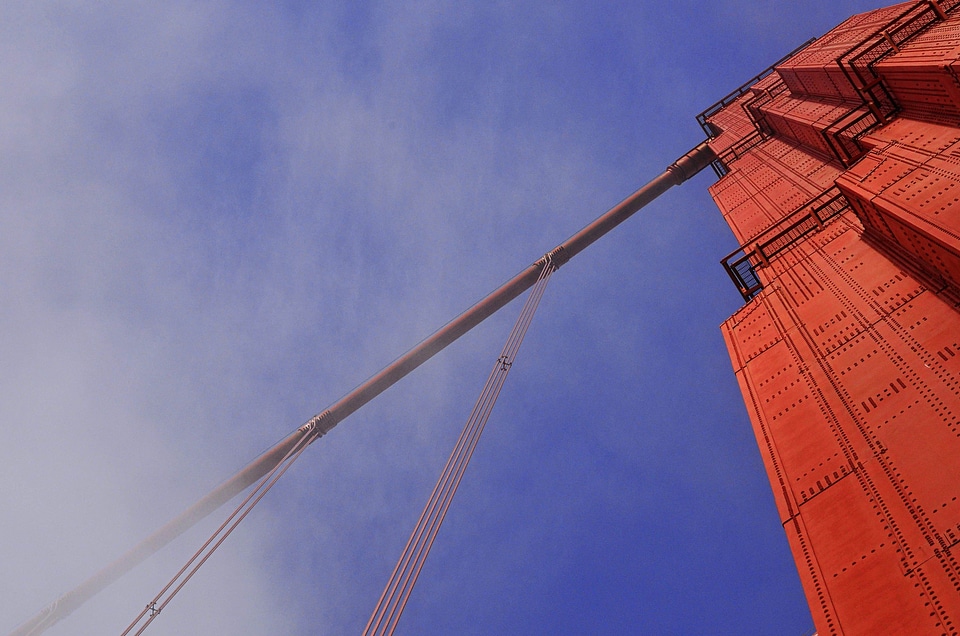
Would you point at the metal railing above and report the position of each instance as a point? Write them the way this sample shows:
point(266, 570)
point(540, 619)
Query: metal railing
point(721, 164)
point(742, 264)
point(858, 66)
point(858, 63)
point(753, 107)
point(763, 130)
point(843, 135)
point(745, 88)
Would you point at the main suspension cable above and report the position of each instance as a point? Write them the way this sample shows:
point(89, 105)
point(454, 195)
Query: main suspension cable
point(679, 171)
point(387, 613)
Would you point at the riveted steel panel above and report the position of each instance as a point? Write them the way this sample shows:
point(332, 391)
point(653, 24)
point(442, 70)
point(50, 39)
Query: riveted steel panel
point(928, 327)
point(841, 421)
point(815, 72)
point(812, 456)
point(871, 283)
point(811, 577)
point(932, 93)
point(924, 136)
point(754, 331)
point(910, 193)
point(855, 559)
point(745, 215)
point(920, 75)
point(771, 460)
point(805, 437)
point(763, 190)
point(735, 124)
point(768, 82)
point(800, 287)
point(873, 174)
point(941, 262)
point(941, 587)
point(806, 119)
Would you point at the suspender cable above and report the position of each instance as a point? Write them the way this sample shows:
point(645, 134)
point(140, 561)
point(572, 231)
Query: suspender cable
point(447, 487)
point(162, 599)
point(397, 591)
point(678, 172)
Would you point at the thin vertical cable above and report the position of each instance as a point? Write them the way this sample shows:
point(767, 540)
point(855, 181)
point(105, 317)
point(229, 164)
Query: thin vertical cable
point(394, 598)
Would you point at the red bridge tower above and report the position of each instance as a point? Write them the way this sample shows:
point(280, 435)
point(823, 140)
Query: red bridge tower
point(840, 175)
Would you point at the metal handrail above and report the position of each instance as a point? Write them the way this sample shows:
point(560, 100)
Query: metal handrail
point(745, 87)
point(844, 140)
point(843, 135)
point(721, 165)
point(742, 264)
point(858, 63)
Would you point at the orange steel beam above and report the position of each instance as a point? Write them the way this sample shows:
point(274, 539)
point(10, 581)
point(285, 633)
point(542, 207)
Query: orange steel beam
point(679, 171)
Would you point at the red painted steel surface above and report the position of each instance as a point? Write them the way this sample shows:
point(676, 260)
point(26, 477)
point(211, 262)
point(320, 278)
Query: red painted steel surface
point(768, 183)
point(814, 71)
point(907, 190)
point(923, 75)
point(805, 120)
point(849, 358)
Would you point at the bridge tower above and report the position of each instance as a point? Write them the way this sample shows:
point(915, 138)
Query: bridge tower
point(839, 173)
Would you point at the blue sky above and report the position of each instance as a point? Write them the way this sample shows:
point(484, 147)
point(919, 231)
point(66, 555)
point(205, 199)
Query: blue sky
point(218, 218)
